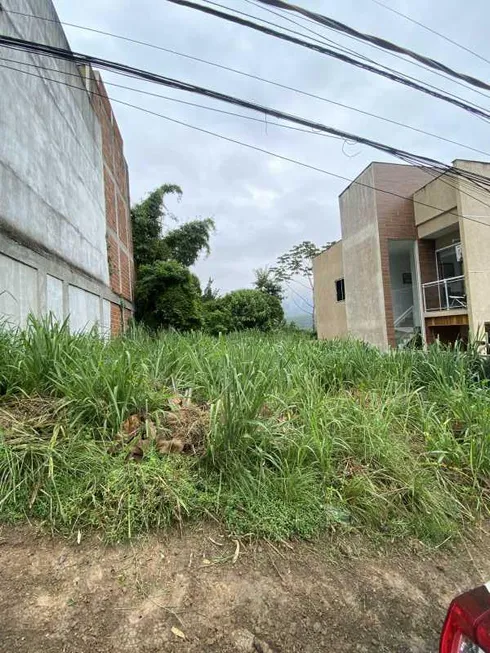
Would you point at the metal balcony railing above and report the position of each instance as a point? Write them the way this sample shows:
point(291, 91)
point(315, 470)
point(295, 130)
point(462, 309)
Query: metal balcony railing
point(445, 295)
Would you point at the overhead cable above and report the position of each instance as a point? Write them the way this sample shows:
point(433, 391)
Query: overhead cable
point(393, 76)
point(251, 76)
point(336, 25)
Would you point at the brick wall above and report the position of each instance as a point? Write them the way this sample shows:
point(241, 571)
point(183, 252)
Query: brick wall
point(117, 201)
point(395, 219)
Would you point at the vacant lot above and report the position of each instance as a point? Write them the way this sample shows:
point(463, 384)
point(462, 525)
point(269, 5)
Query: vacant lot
point(290, 494)
point(273, 436)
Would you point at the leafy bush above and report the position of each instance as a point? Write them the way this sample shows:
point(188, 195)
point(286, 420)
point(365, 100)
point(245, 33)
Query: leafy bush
point(243, 309)
point(168, 295)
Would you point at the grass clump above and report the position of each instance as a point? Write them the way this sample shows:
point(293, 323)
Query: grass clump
point(296, 436)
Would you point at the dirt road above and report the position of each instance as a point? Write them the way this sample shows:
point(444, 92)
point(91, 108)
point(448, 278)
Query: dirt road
point(57, 596)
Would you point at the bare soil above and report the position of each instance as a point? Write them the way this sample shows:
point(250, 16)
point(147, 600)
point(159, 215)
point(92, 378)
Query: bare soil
point(331, 595)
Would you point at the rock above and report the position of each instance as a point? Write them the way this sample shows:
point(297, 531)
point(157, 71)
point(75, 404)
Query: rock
point(243, 641)
point(317, 627)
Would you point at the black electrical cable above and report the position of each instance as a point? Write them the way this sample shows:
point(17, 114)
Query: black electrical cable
point(324, 39)
point(432, 31)
point(251, 76)
point(262, 150)
point(336, 55)
point(380, 66)
point(383, 43)
point(78, 58)
point(166, 97)
point(201, 106)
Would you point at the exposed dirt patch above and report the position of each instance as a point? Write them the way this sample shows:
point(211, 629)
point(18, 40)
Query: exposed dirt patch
point(58, 597)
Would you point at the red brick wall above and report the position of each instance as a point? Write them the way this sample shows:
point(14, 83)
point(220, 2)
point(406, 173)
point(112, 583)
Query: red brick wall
point(119, 236)
point(395, 219)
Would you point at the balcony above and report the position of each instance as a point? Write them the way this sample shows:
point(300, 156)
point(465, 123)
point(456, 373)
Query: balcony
point(445, 295)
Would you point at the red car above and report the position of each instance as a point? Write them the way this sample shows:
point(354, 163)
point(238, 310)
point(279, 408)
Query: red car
point(467, 625)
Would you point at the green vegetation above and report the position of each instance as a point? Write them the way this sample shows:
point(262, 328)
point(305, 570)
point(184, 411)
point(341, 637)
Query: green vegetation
point(273, 434)
point(167, 293)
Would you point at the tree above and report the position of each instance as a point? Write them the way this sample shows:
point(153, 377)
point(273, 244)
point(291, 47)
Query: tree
point(298, 262)
point(266, 280)
point(246, 309)
point(168, 295)
point(147, 220)
point(209, 294)
point(185, 243)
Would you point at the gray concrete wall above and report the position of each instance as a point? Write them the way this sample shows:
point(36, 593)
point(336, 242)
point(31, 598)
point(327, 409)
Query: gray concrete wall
point(51, 174)
point(474, 228)
point(330, 315)
point(53, 249)
point(34, 283)
point(362, 262)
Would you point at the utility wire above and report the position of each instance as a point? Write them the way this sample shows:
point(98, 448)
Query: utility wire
point(432, 31)
point(383, 43)
point(77, 58)
point(255, 77)
point(201, 106)
point(163, 97)
point(393, 76)
point(324, 39)
point(380, 66)
point(263, 151)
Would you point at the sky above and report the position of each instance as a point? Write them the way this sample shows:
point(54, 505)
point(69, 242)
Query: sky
point(262, 205)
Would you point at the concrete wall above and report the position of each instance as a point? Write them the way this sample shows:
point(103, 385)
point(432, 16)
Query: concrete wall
point(51, 175)
point(64, 189)
point(362, 261)
point(330, 315)
point(434, 199)
point(475, 239)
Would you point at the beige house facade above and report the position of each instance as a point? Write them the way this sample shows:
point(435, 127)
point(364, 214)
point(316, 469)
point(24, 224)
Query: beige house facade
point(413, 262)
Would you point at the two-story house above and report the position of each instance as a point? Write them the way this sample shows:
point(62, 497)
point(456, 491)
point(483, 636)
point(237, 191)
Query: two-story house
point(414, 258)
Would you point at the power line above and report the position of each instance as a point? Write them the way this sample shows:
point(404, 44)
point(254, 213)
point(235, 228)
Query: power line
point(78, 58)
point(265, 151)
point(364, 58)
point(393, 76)
point(163, 97)
point(383, 43)
point(255, 77)
point(432, 31)
point(324, 39)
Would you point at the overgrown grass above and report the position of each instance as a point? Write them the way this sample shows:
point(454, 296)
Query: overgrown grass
point(302, 436)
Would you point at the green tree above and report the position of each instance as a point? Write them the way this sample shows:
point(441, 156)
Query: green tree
point(168, 295)
point(249, 309)
point(298, 262)
point(209, 294)
point(147, 219)
point(267, 281)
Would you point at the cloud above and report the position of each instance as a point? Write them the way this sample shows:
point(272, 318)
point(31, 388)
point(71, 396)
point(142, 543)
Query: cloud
point(262, 206)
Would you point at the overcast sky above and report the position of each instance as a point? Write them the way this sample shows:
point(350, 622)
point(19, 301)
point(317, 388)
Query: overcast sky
point(262, 205)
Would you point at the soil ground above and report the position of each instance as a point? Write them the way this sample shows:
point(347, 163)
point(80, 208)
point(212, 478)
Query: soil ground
point(331, 595)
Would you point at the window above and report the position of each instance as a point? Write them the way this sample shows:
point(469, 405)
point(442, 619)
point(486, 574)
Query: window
point(340, 290)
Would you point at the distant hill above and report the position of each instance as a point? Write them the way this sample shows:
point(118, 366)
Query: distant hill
point(302, 320)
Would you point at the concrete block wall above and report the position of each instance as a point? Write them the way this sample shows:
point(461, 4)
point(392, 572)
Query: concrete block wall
point(64, 190)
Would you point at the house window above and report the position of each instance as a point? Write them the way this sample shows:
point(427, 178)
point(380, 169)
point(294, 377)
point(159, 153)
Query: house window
point(340, 290)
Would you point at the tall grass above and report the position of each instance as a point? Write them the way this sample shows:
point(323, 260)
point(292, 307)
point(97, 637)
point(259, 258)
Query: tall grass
point(301, 436)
